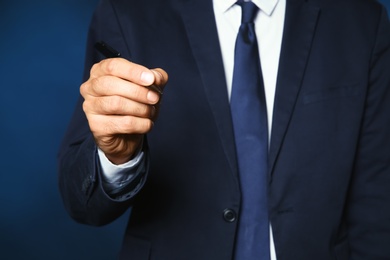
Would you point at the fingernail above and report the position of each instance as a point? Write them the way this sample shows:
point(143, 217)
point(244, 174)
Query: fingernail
point(147, 77)
point(152, 96)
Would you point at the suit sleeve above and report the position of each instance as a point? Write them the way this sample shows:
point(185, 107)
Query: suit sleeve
point(80, 179)
point(369, 201)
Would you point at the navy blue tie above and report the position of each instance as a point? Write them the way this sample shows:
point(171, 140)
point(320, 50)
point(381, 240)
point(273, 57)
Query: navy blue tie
point(249, 114)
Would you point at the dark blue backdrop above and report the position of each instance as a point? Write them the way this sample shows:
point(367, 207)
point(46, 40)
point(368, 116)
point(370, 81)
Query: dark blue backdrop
point(41, 60)
point(42, 46)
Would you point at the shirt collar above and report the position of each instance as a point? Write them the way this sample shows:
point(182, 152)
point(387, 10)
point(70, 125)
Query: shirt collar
point(267, 6)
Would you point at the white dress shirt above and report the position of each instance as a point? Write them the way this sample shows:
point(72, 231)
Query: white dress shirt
point(269, 25)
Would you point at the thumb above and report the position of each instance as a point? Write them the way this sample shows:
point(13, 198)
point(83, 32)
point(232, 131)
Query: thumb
point(160, 78)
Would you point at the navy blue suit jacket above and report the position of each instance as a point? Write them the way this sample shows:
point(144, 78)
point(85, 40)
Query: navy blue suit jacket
point(329, 174)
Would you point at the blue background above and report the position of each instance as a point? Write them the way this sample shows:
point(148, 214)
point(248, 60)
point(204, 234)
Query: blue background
point(42, 46)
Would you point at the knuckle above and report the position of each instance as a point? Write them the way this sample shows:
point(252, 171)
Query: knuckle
point(99, 81)
point(142, 110)
point(137, 92)
point(94, 128)
point(115, 104)
point(129, 123)
point(95, 125)
point(110, 128)
point(137, 125)
point(103, 104)
point(100, 103)
point(93, 69)
point(83, 89)
point(100, 85)
point(110, 65)
point(85, 107)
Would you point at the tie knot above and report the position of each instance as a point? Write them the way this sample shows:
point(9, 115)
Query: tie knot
point(249, 11)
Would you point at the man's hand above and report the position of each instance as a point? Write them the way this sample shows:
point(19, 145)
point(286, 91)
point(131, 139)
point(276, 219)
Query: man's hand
point(119, 106)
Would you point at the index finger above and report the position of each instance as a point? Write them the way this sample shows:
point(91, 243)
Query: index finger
point(124, 69)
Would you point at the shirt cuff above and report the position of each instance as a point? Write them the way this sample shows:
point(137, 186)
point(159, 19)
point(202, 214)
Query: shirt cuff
point(116, 173)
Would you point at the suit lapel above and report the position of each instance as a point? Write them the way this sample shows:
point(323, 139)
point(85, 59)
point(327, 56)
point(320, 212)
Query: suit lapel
point(300, 22)
point(199, 21)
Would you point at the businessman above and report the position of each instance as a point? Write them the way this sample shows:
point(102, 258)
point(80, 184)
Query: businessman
point(312, 181)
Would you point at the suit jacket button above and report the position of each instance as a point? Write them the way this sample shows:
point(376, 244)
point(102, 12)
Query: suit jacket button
point(229, 215)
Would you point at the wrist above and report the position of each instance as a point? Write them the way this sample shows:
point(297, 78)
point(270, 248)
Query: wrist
point(133, 148)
